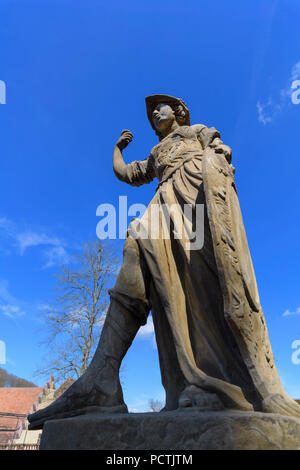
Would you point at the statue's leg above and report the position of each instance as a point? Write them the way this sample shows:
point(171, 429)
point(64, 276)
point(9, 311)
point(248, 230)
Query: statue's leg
point(99, 389)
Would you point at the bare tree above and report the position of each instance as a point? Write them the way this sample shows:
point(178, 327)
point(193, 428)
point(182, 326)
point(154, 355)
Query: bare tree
point(74, 319)
point(155, 405)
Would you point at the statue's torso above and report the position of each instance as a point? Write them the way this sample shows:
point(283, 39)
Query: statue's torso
point(178, 146)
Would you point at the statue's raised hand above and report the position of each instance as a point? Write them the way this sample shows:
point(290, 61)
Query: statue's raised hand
point(125, 138)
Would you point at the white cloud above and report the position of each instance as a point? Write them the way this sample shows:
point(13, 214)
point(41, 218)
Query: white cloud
point(265, 111)
point(7, 226)
point(287, 313)
point(29, 239)
point(12, 311)
point(9, 305)
point(56, 255)
point(141, 404)
point(269, 110)
point(146, 330)
point(295, 75)
point(25, 239)
point(5, 295)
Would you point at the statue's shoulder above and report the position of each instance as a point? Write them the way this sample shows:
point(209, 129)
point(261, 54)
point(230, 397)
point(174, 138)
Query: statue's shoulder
point(205, 134)
point(192, 131)
point(203, 129)
point(198, 127)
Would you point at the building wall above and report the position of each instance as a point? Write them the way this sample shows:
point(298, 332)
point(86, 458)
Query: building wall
point(33, 436)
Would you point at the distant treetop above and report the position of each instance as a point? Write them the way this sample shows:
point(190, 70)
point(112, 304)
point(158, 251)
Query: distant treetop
point(11, 380)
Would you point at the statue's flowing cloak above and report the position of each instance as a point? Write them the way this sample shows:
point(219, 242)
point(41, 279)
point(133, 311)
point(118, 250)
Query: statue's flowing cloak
point(209, 325)
point(242, 309)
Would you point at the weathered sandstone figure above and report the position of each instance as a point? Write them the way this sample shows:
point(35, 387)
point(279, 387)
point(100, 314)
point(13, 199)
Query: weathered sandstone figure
point(212, 338)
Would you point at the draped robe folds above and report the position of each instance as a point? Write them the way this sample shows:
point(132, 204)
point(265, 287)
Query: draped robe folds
point(208, 322)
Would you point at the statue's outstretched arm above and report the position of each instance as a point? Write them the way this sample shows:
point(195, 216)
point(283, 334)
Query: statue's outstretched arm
point(135, 173)
point(119, 166)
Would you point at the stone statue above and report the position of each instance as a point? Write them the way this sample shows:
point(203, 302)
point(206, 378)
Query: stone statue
point(213, 344)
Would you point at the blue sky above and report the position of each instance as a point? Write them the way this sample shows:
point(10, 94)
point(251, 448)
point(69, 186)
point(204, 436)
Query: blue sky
point(76, 74)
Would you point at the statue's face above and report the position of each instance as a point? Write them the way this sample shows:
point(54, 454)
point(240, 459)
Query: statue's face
point(163, 117)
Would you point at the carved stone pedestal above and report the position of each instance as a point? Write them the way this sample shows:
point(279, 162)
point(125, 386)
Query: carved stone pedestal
point(184, 430)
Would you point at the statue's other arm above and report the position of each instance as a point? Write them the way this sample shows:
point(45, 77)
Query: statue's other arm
point(119, 165)
point(210, 137)
point(135, 173)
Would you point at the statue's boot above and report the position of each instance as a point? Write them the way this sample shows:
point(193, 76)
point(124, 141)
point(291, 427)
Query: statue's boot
point(281, 403)
point(99, 388)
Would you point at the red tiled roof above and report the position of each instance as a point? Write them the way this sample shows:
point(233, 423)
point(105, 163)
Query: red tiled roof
point(15, 405)
point(18, 400)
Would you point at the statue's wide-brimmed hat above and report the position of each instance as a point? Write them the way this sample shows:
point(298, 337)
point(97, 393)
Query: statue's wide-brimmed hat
point(153, 100)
